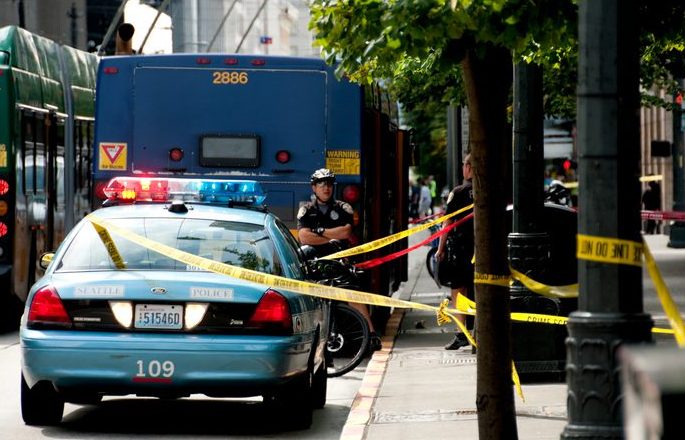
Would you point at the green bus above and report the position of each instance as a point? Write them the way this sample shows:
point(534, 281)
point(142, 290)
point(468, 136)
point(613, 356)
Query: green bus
point(47, 102)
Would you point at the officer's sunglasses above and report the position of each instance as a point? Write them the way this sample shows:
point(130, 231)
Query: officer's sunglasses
point(323, 183)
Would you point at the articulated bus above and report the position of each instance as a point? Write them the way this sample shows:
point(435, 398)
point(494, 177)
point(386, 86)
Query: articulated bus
point(47, 104)
point(270, 119)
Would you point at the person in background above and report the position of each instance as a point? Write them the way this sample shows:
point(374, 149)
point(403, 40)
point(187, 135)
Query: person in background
point(433, 187)
point(324, 219)
point(461, 240)
point(651, 201)
point(425, 200)
point(414, 195)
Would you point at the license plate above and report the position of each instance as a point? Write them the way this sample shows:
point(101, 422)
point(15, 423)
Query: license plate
point(158, 316)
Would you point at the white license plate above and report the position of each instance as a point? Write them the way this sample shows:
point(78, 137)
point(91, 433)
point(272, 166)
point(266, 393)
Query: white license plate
point(158, 316)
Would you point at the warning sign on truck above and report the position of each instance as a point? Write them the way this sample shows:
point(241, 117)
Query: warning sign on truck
point(343, 161)
point(112, 156)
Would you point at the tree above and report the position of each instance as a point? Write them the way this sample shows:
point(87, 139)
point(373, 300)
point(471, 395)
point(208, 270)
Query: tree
point(418, 48)
point(385, 39)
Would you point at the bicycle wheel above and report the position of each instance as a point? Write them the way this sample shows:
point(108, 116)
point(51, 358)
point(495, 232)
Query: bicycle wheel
point(429, 262)
point(348, 340)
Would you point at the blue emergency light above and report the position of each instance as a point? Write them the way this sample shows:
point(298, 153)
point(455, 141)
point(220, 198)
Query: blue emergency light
point(244, 192)
point(167, 190)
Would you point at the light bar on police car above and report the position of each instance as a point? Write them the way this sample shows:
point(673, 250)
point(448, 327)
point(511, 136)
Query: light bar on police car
point(166, 190)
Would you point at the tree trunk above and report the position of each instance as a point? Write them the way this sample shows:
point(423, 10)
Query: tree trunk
point(488, 79)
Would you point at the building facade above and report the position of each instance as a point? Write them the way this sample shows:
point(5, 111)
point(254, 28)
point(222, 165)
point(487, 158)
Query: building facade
point(275, 27)
point(64, 21)
point(656, 124)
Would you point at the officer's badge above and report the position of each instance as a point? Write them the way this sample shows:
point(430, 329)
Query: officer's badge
point(301, 212)
point(334, 215)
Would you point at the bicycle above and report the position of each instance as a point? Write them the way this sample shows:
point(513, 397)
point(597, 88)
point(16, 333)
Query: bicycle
point(348, 331)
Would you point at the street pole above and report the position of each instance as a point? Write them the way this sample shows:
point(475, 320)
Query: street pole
point(528, 242)
point(610, 308)
point(676, 233)
point(528, 151)
point(22, 14)
point(73, 15)
point(453, 173)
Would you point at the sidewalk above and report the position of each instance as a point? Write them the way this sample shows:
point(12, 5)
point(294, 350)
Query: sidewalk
point(415, 389)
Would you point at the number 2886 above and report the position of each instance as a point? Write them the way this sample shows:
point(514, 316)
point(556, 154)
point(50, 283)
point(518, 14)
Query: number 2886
point(226, 77)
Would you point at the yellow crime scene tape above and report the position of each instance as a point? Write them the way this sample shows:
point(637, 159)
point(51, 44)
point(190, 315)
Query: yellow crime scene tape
point(303, 287)
point(589, 247)
point(609, 250)
point(384, 241)
point(110, 246)
point(495, 280)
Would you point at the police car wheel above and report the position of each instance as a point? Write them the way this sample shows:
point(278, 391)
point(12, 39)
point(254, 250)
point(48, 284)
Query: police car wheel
point(292, 405)
point(40, 405)
point(319, 387)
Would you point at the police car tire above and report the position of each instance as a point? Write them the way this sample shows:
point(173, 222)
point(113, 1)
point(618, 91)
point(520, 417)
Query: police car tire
point(319, 387)
point(40, 405)
point(293, 403)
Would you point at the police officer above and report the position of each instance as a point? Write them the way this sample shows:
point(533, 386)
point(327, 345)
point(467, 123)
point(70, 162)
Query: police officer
point(324, 219)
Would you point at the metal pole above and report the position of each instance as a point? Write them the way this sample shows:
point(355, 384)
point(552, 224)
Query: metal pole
point(221, 25)
point(453, 165)
point(73, 15)
point(69, 144)
point(22, 14)
point(528, 148)
point(161, 8)
point(676, 232)
point(610, 308)
point(112, 26)
point(249, 28)
point(534, 346)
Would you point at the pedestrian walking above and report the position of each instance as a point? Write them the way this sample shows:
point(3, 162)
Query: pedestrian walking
point(414, 196)
point(425, 199)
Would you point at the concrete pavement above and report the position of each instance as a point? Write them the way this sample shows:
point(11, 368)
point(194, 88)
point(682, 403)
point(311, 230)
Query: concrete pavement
point(414, 389)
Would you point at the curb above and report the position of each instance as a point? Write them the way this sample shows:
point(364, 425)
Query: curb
point(360, 411)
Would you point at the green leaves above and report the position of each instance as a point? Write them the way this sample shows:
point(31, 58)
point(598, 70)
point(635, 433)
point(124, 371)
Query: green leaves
point(416, 46)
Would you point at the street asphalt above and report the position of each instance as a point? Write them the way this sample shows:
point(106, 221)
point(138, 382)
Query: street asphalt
point(415, 389)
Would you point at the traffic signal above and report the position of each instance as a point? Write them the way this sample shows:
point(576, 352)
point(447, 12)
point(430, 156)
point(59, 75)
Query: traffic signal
point(569, 165)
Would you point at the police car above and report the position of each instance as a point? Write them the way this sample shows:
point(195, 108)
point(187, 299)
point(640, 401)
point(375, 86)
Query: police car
point(122, 310)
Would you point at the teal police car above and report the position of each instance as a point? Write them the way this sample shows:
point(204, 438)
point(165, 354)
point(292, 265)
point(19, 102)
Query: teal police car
point(112, 316)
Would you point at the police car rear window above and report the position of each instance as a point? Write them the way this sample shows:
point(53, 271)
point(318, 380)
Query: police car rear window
point(238, 244)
